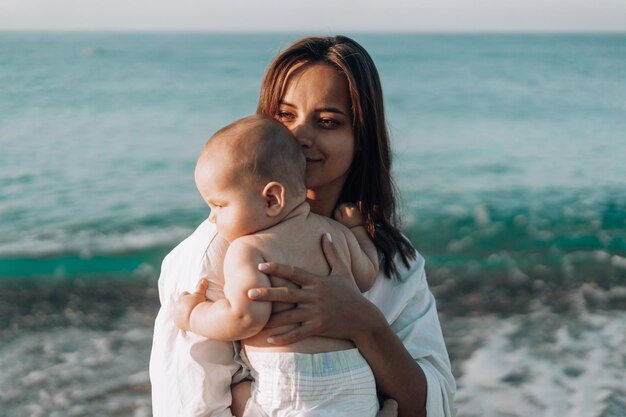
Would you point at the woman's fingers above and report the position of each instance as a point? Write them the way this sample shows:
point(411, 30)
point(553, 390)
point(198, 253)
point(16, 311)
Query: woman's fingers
point(289, 272)
point(323, 302)
point(282, 294)
point(337, 267)
point(293, 336)
point(298, 275)
point(292, 316)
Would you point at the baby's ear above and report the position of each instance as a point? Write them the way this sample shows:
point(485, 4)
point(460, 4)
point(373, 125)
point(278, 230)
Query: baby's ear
point(274, 194)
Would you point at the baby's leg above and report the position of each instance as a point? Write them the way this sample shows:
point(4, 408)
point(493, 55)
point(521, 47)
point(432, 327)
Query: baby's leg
point(241, 395)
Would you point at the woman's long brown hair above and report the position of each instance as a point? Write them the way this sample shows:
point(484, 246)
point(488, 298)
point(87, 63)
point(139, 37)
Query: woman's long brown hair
point(369, 183)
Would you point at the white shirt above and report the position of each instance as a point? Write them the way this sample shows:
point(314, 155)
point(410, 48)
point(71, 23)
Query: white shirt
point(191, 375)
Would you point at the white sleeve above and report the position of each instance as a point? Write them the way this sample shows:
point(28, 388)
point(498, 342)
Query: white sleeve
point(410, 308)
point(190, 375)
point(162, 358)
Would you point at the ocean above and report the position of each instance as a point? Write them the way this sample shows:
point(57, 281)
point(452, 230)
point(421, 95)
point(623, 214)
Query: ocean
point(510, 159)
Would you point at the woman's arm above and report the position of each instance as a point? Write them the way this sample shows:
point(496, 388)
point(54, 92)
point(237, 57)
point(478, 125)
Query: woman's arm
point(332, 306)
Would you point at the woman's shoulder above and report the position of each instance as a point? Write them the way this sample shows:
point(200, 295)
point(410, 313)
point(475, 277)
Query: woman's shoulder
point(392, 294)
point(196, 243)
point(409, 272)
point(188, 255)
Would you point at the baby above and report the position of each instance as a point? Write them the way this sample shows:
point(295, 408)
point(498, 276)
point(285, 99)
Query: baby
point(252, 175)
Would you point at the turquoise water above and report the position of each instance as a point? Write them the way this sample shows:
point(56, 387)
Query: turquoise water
point(509, 155)
point(506, 146)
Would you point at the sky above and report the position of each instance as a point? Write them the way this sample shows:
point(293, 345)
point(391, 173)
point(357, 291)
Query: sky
point(319, 16)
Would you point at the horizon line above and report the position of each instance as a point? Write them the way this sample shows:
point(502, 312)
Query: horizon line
point(313, 32)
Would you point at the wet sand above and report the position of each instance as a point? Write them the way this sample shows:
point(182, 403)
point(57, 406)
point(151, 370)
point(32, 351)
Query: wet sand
point(74, 349)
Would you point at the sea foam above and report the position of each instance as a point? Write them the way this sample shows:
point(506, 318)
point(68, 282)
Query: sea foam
point(546, 365)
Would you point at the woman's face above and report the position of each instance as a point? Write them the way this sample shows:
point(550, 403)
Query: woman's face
point(316, 108)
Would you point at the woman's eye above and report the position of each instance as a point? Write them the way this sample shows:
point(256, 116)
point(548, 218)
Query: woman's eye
point(328, 123)
point(283, 116)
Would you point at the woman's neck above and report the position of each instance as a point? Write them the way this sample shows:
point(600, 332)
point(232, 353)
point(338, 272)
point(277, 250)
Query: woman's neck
point(322, 204)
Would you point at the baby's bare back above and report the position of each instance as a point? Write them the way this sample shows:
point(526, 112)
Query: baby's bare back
point(297, 241)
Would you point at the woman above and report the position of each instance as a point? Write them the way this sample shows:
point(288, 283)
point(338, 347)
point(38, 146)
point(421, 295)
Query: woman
point(326, 90)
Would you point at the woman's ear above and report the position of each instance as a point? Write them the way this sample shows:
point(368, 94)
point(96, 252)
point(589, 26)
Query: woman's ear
point(274, 194)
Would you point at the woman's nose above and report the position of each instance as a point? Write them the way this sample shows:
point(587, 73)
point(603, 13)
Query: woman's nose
point(303, 135)
point(212, 216)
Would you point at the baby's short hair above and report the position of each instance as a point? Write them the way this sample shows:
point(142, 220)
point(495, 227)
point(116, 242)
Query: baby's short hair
point(260, 149)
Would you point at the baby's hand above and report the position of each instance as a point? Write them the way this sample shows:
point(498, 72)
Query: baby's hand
point(186, 303)
point(349, 215)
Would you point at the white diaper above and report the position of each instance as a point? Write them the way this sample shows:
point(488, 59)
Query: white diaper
point(329, 384)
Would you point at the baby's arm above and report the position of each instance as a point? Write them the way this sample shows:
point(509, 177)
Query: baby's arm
point(363, 253)
point(234, 317)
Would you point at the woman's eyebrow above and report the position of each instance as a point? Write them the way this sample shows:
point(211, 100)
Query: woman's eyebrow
point(331, 110)
point(285, 103)
point(319, 110)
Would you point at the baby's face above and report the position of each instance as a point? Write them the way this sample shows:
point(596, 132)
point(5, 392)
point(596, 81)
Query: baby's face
point(236, 209)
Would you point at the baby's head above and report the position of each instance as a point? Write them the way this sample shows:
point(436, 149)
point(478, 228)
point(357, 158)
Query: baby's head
point(251, 174)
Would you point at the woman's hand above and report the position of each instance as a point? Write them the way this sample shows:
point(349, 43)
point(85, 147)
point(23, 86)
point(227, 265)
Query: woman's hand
point(332, 306)
point(329, 306)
